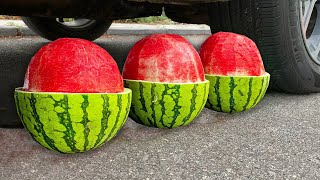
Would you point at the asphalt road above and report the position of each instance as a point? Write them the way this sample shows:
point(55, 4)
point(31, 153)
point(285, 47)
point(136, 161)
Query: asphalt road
point(279, 139)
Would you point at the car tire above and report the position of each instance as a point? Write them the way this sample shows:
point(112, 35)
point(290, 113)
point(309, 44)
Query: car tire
point(51, 29)
point(275, 26)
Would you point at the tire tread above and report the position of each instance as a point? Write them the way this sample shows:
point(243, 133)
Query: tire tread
point(273, 25)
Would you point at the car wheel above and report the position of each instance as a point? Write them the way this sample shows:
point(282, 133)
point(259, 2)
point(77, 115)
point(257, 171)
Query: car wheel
point(54, 28)
point(286, 32)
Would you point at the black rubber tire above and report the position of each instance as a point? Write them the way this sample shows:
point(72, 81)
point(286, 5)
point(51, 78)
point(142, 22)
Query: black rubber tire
point(275, 27)
point(50, 29)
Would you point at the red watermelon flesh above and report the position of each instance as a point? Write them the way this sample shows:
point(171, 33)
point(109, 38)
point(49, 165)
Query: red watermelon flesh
point(164, 58)
point(74, 66)
point(230, 54)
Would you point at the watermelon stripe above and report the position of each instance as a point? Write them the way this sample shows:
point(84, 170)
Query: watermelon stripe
point(150, 121)
point(210, 104)
point(66, 121)
point(267, 80)
point(205, 99)
point(249, 95)
point(127, 109)
point(85, 120)
point(241, 93)
point(39, 126)
point(143, 102)
point(206, 93)
point(231, 101)
point(119, 102)
point(193, 104)
point(18, 107)
point(34, 127)
point(153, 114)
point(133, 115)
point(163, 109)
point(260, 92)
point(104, 120)
point(217, 89)
point(176, 106)
point(133, 110)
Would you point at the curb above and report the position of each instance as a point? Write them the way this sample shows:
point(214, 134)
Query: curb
point(10, 28)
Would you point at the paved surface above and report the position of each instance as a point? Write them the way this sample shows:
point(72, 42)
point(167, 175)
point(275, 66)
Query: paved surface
point(18, 28)
point(279, 139)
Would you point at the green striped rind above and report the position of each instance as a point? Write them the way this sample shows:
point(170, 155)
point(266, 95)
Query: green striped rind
point(71, 123)
point(232, 94)
point(168, 105)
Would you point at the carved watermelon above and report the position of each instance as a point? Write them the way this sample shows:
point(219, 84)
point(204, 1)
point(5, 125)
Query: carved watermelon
point(73, 99)
point(73, 65)
point(167, 79)
point(234, 67)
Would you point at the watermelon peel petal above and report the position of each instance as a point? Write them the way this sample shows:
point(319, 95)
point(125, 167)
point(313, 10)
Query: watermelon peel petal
point(232, 94)
point(72, 122)
point(166, 105)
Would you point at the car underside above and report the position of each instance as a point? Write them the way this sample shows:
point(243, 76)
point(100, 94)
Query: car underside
point(97, 9)
point(93, 18)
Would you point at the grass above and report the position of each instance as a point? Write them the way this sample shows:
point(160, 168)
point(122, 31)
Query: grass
point(148, 20)
point(10, 23)
point(10, 17)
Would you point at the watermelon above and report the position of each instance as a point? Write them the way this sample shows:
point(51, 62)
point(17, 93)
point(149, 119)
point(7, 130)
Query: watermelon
point(230, 54)
point(234, 67)
point(167, 80)
point(73, 99)
point(166, 105)
point(73, 65)
point(164, 58)
point(72, 122)
point(232, 94)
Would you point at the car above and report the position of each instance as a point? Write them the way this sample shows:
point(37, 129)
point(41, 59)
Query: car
point(286, 32)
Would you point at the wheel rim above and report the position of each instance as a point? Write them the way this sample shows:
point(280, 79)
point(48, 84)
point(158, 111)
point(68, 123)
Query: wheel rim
point(75, 23)
point(310, 27)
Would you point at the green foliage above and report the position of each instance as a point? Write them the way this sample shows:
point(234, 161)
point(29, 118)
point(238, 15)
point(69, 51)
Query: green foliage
point(163, 19)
